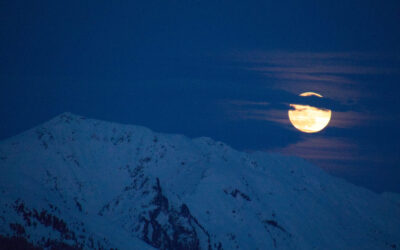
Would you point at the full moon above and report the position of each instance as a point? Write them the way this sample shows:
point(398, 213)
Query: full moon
point(307, 118)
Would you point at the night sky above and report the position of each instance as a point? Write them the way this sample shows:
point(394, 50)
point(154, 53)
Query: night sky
point(222, 69)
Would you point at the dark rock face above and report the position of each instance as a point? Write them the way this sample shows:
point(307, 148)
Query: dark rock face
point(22, 243)
point(180, 230)
point(161, 224)
point(31, 219)
point(16, 243)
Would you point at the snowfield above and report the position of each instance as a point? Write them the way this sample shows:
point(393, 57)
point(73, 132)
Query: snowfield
point(75, 182)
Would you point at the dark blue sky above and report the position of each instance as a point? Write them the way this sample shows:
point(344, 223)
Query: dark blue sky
point(223, 69)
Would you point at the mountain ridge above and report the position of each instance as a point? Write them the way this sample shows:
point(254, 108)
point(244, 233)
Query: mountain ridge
point(86, 182)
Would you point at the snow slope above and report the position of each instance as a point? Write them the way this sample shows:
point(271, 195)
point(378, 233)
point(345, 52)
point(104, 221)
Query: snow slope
point(83, 183)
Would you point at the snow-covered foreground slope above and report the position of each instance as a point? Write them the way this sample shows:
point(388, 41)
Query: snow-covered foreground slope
point(82, 183)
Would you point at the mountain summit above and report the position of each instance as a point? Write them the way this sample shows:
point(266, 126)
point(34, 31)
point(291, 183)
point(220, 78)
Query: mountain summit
point(75, 183)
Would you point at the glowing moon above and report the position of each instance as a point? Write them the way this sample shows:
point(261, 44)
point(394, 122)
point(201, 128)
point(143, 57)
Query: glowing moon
point(307, 118)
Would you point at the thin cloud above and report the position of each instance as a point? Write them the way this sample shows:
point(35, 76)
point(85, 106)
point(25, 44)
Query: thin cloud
point(319, 148)
point(293, 58)
point(333, 73)
point(326, 69)
point(247, 103)
point(308, 77)
point(350, 119)
point(272, 115)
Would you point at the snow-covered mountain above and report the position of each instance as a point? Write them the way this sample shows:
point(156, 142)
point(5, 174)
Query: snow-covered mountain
point(81, 183)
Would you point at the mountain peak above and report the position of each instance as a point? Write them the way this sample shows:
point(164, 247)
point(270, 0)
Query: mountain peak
point(67, 118)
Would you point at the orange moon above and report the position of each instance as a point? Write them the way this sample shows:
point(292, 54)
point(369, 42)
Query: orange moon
point(309, 119)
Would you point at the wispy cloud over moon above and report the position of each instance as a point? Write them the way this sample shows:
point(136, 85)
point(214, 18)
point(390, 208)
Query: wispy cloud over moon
point(343, 78)
point(251, 110)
